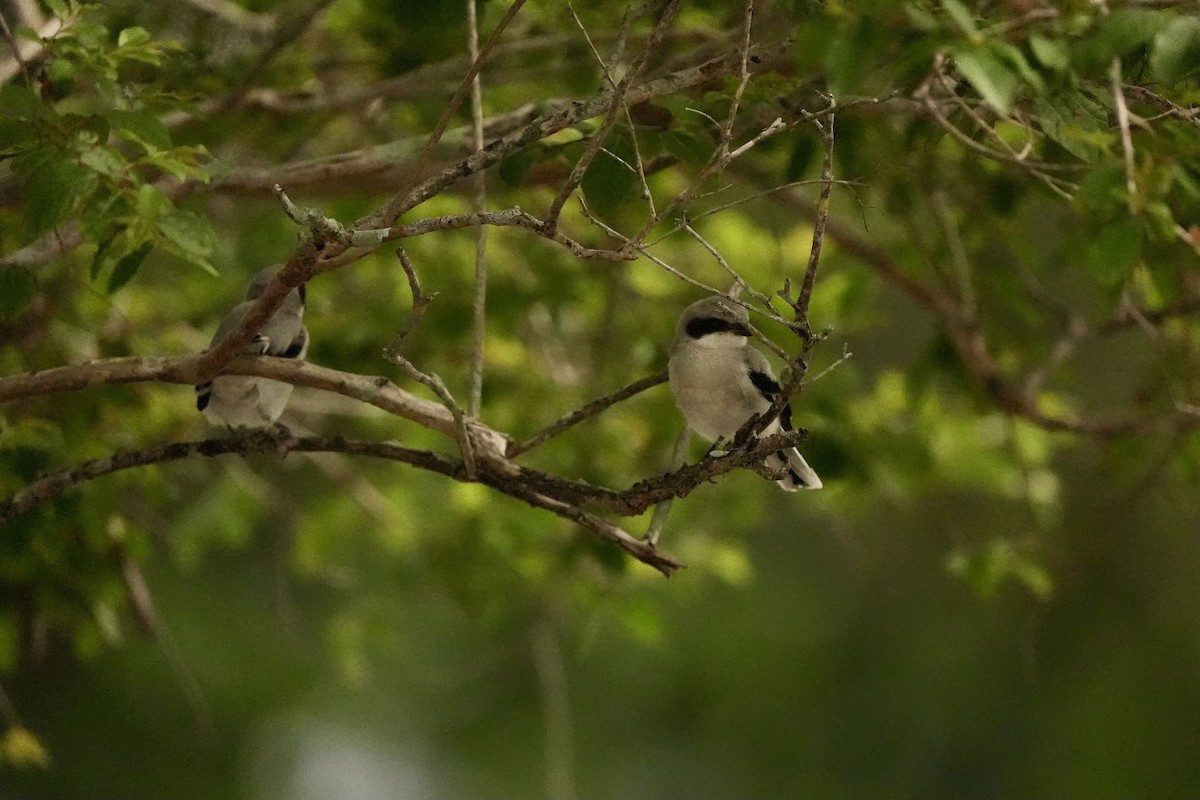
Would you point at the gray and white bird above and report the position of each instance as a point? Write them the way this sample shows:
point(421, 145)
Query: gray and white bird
point(719, 381)
point(244, 401)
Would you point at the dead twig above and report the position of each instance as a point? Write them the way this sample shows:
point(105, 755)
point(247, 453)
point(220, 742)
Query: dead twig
point(586, 412)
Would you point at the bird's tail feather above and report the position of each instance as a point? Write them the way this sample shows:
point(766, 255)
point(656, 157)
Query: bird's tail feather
point(799, 474)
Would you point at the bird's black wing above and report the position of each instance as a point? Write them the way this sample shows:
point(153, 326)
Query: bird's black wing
point(769, 388)
point(297, 346)
point(203, 395)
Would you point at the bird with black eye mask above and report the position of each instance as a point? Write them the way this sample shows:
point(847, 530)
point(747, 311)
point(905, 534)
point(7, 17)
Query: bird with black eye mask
point(720, 381)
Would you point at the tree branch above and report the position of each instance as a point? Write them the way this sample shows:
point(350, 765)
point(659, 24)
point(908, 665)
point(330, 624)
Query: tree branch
point(392, 210)
point(763, 57)
point(818, 235)
point(586, 412)
point(376, 391)
point(56, 483)
point(478, 204)
point(966, 339)
point(615, 103)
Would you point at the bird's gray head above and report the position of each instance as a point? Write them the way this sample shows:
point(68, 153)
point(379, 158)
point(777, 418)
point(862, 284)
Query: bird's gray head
point(714, 321)
point(258, 285)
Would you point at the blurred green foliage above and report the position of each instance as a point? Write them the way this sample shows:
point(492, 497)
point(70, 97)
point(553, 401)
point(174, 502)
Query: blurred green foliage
point(980, 604)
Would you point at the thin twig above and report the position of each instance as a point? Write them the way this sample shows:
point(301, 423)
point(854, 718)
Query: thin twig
point(735, 102)
point(843, 358)
point(590, 410)
point(141, 602)
point(508, 217)
point(767, 192)
point(420, 302)
point(719, 162)
point(616, 102)
point(1114, 72)
point(465, 449)
point(738, 279)
point(56, 483)
point(622, 35)
point(818, 234)
point(397, 204)
point(949, 86)
point(643, 250)
point(479, 203)
point(286, 30)
point(1190, 115)
point(763, 57)
point(14, 44)
point(392, 354)
point(1038, 169)
point(25, 51)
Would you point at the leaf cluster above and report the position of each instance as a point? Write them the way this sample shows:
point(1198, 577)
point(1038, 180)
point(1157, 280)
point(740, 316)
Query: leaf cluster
point(84, 135)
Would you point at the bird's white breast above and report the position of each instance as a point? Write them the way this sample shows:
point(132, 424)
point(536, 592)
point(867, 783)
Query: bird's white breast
point(712, 387)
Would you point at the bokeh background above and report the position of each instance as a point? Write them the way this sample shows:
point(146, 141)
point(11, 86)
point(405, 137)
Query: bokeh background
point(989, 599)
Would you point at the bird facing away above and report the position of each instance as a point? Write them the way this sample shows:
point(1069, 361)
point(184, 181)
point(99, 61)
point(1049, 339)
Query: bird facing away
point(719, 381)
point(244, 401)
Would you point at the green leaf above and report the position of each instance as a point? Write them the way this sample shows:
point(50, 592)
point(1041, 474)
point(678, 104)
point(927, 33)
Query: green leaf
point(512, 170)
point(133, 36)
point(803, 155)
point(127, 266)
point(179, 163)
point(17, 288)
point(564, 137)
point(190, 237)
point(54, 184)
point(1077, 123)
point(104, 161)
point(1102, 193)
point(1116, 250)
point(141, 128)
point(58, 8)
point(962, 17)
point(1120, 32)
point(1016, 59)
point(60, 73)
point(1051, 53)
point(1176, 50)
point(17, 133)
point(17, 101)
point(610, 178)
point(151, 203)
point(688, 144)
point(103, 254)
point(991, 77)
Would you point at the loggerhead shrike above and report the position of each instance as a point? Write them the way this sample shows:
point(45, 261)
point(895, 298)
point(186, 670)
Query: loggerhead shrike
point(719, 381)
point(245, 401)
